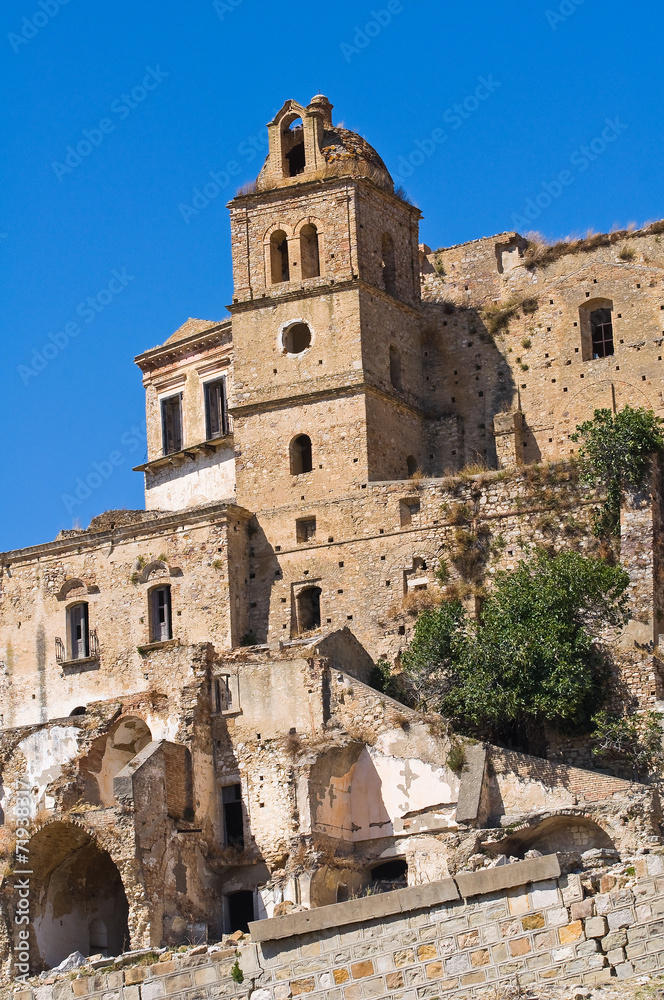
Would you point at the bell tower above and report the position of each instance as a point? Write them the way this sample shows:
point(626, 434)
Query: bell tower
point(328, 383)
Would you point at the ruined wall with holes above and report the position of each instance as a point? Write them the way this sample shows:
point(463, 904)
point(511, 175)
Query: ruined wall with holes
point(112, 568)
point(539, 360)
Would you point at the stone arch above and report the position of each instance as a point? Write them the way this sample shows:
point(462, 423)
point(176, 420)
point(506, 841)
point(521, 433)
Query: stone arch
point(74, 882)
point(564, 832)
point(595, 395)
point(109, 754)
point(153, 569)
point(72, 589)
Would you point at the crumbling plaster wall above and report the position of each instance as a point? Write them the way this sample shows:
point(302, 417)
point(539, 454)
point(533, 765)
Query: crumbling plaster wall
point(201, 555)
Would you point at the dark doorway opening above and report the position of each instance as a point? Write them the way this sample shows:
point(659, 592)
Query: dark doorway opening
point(390, 875)
point(308, 607)
point(240, 910)
point(231, 797)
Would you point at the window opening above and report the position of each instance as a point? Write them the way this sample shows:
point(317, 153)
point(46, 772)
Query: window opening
point(279, 257)
point(222, 699)
point(601, 327)
point(409, 511)
point(309, 251)
point(411, 465)
point(308, 609)
point(161, 628)
point(231, 797)
point(305, 529)
point(79, 634)
point(295, 158)
point(395, 367)
point(216, 409)
point(240, 910)
point(301, 460)
point(171, 424)
point(296, 338)
point(389, 269)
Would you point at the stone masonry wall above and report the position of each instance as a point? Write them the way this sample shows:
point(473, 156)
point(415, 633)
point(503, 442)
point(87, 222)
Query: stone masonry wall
point(459, 937)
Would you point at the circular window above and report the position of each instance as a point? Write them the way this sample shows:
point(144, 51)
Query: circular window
point(296, 338)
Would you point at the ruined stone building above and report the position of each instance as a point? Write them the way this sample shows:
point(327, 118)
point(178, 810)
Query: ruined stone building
point(184, 688)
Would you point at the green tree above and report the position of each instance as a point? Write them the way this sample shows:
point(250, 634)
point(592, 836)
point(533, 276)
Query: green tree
point(616, 452)
point(535, 655)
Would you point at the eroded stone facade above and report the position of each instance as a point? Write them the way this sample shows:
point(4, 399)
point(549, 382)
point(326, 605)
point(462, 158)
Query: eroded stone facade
point(184, 688)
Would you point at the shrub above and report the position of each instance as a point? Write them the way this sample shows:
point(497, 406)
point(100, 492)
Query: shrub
point(237, 975)
point(530, 305)
point(616, 453)
point(470, 552)
point(534, 654)
point(626, 253)
point(249, 639)
point(456, 758)
point(633, 739)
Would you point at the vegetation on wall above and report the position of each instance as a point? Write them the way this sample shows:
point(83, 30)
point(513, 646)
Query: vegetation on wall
point(634, 740)
point(535, 653)
point(615, 455)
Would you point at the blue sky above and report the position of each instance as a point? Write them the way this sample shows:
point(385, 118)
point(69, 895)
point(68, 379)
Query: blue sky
point(476, 108)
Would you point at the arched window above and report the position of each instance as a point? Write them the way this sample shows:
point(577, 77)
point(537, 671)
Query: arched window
point(309, 251)
point(395, 367)
point(78, 631)
point(293, 140)
point(411, 465)
point(389, 270)
point(161, 628)
point(308, 609)
point(279, 257)
point(300, 455)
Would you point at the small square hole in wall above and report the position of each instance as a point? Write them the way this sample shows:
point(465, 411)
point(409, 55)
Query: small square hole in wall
point(284, 626)
point(622, 341)
point(401, 630)
point(638, 286)
point(306, 572)
point(349, 618)
point(587, 295)
point(381, 531)
point(550, 440)
point(329, 621)
point(523, 385)
point(550, 302)
point(480, 393)
point(576, 350)
point(510, 553)
point(546, 355)
point(355, 461)
point(620, 317)
point(320, 362)
point(581, 376)
point(594, 281)
point(277, 548)
point(341, 565)
point(179, 612)
point(643, 378)
point(454, 452)
point(565, 389)
point(382, 558)
point(320, 466)
point(454, 399)
point(252, 576)
point(548, 329)
point(330, 539)
point(283, 600)
point(388, 583)
point(340, 592)
point(274, 371)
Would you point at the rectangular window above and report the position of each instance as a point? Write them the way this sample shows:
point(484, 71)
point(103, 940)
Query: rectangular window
point(222, 699)
point(601, 325)
point(79, 636)
point(231, 797)
point(160, 614)
point(305, 529)
point(171, 424)
point(216, 411)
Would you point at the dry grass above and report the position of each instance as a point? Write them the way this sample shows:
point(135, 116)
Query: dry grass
point(539, 253)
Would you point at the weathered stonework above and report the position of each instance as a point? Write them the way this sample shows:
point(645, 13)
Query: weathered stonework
point(218, 757)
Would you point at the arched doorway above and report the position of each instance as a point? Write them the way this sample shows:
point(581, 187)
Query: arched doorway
point(77, 899)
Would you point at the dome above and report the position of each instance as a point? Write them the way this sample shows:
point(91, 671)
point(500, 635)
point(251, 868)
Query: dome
point(336, 150)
